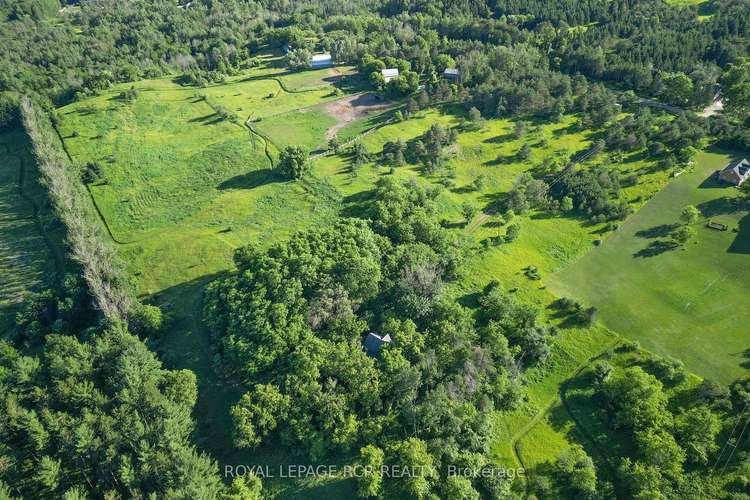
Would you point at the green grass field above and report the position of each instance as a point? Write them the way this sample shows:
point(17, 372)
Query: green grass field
point(705, 7)
point(26, 260)
point(182, 187)
point(309, 125)
point(686, 303)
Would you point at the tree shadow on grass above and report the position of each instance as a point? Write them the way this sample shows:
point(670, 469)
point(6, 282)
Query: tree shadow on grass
point(746, 355)
point(464, 189)
point(657, 247)
point(252, 179)
point(446, 224)
point(203, 119)
point(636, 156)
point(498, 139)
point(85, 111)
point(211, 119)
point(470, 300)
point(358, 204)
point(569, 129)
point(719, 206)
point(741, 243)
point(500, 160)
point(543, 215)
point(660, 231)
point(495, 202)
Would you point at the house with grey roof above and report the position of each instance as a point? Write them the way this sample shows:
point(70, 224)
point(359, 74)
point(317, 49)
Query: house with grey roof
point(374, 343)
point(736, 173)
point(451, 74)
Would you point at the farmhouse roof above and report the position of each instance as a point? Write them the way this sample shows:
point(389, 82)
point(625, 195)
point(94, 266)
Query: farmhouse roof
point(736, 173)
point(374, 342)
point(390, 72)
point(451, 72)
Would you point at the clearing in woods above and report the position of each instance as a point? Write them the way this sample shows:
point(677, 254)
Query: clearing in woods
point(182, 186)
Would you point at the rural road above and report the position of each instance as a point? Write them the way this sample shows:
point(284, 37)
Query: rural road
point(709, 110)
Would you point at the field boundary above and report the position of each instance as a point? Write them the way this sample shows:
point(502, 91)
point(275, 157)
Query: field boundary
point(100, 268)
point(91, 194)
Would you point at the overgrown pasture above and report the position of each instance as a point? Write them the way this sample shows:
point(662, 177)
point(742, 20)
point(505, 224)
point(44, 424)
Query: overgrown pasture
point(181, 179)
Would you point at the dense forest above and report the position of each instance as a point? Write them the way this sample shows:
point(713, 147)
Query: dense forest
point(90, 411)
point(647, 46)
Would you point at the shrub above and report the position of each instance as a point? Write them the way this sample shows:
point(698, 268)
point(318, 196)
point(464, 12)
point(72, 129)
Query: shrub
point(630, 346)
point(146, 320)
point(293, 162)
point(91, 172)
point(587, 316)
point(512, 232)
point(565, 303)
point(669, 369)
point(602, 372)
point(532, 272)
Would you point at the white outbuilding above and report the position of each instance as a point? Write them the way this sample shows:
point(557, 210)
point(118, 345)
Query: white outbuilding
point(389, 74)
point(321, 61)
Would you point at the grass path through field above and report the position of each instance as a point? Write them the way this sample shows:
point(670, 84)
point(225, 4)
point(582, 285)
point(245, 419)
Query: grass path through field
point(580, 426)
point(558, 397)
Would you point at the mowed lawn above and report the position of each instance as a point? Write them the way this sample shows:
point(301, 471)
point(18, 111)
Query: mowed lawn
point(26, 262)
point(687, 303)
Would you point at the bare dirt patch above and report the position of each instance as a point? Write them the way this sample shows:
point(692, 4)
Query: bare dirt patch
point(354, 107)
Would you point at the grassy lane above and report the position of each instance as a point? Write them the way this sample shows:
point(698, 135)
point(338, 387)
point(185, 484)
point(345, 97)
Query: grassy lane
point(27, 260)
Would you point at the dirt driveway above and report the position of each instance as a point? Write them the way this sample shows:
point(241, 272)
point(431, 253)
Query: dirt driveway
point(351, 108)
